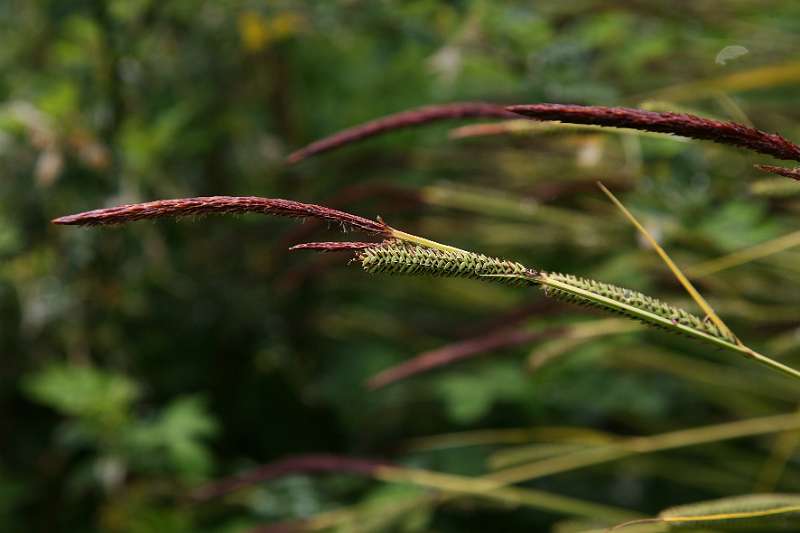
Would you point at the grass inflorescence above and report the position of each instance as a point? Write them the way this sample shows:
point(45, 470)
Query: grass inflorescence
point(397, 257)
point(628, 302)
point(404, 253)
point(205, 205)
point(400, 253)
point(682, 124)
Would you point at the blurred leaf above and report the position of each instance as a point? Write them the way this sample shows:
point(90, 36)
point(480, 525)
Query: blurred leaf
point(100, 397)
point(175, 438)
point(468, 397)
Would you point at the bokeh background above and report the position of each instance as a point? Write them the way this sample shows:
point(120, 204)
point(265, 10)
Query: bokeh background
point(139, 362)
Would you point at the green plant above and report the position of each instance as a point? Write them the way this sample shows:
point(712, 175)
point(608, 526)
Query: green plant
point(115, 439)
point(403, 253)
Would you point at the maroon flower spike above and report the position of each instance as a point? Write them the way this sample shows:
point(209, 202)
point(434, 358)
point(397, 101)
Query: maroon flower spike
point(793, 173)
point(334, 246)
point(459, 351)
point(219, 204)
point(300, 464)
point(404, 119)
point(674, 123)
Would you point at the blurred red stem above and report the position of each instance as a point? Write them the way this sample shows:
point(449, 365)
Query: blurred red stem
point(300, 464)
point(458, 351)
point(404, 119)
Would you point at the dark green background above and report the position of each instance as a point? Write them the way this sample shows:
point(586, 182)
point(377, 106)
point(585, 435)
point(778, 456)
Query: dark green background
point(137, 362)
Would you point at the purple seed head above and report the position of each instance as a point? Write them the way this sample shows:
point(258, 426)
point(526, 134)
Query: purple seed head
point(673, 123)
point(219, 205)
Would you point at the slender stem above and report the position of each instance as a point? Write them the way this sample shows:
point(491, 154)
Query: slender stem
point(498, 481)
point(641, 445)
point(676, 271)
point(416, 239)
point(746, 255)
point(763, 359)
point(719, 517)
point(494, 489)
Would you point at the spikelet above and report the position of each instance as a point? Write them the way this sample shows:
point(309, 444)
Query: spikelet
point(634, 304)
point(398, 258)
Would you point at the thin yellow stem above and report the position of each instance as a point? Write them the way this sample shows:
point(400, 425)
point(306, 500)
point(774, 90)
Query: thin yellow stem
point(640, 445)
point(733, 109)
point(783, 448)
point(764, 360)
point(416, 239)
point(740, 257)
point(676, 271)
point(768, 76)
point(509, 436)
point(494, 489)
point(495, 486)
point(721, 517)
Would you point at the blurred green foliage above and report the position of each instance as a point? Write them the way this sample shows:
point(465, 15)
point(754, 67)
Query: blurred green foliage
point(140, 362)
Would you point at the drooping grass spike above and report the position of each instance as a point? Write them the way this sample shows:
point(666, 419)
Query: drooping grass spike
point(396, 257)
point(393, 257)
point(630, 303)
point(682, 124)
point(405, 253)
